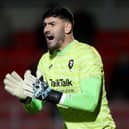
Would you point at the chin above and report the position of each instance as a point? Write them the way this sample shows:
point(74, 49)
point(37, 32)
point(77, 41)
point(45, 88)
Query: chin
point(51, 48)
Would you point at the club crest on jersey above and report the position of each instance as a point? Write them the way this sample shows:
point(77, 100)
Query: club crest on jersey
point(70, 64)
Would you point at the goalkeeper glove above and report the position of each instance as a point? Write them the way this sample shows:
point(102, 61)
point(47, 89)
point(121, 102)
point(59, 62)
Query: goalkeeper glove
point(15, 85)
point(40, 89)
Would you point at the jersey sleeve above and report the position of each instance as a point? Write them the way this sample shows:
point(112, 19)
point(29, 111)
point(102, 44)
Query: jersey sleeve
point(91, 81)
point(34, 106)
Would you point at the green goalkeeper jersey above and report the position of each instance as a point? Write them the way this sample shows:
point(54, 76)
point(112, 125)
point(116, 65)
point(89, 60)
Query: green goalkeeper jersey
point(77, 71)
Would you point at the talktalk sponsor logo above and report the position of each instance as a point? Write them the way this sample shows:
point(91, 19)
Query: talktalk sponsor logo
point(60, 82)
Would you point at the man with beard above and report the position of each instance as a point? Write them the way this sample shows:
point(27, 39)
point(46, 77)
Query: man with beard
point(70, 75)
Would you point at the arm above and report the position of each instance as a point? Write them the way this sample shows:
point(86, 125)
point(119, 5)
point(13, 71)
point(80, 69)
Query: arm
point(33, 106)
point(15, 85)
point(87, 99)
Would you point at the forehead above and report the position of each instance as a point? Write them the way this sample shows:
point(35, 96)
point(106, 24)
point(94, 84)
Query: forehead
point(52, 19)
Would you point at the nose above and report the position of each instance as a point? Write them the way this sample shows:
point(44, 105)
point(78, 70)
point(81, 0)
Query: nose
point(46, 29)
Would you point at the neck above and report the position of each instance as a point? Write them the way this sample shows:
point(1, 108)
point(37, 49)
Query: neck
point(68, 39)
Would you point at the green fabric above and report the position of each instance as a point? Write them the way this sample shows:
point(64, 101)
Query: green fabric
point(34, 107)
point(88, 98)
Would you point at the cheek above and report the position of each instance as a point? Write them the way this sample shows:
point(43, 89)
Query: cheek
point(60, 32)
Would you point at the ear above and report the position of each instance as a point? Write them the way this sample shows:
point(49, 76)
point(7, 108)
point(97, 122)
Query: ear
point(68, 27)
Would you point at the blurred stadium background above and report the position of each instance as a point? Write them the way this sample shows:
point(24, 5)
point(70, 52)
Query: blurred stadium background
point(102, 23)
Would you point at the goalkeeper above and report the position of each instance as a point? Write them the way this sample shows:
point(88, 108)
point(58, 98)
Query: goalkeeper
point(70, 75)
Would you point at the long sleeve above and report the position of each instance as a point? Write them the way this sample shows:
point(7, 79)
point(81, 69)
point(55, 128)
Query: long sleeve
point(88, 98)
point(34, 106)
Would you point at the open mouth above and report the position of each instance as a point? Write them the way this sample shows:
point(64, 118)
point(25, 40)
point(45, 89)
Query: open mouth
point(50, 37)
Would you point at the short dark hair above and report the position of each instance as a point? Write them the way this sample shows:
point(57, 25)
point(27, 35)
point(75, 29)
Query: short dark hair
point(61, 12)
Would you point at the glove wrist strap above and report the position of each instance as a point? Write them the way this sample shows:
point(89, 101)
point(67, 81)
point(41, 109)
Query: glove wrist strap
point(54, 96)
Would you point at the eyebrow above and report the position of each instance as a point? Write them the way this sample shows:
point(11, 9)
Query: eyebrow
point(51, 22)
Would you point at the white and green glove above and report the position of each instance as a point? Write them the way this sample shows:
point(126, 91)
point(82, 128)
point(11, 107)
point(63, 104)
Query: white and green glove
point(16, 86)
point(31, 87)
point(40, 89)
point(37, 85)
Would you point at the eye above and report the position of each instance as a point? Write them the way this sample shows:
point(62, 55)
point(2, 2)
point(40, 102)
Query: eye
point(52, 23)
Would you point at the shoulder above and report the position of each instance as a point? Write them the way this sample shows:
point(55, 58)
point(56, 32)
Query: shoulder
point(88, 53)
point(86, 49)
point(43, 58)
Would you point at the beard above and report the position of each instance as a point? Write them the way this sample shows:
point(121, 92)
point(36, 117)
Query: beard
point(56, 43)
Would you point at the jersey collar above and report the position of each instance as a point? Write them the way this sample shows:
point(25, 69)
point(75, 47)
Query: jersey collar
point(67, 48)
